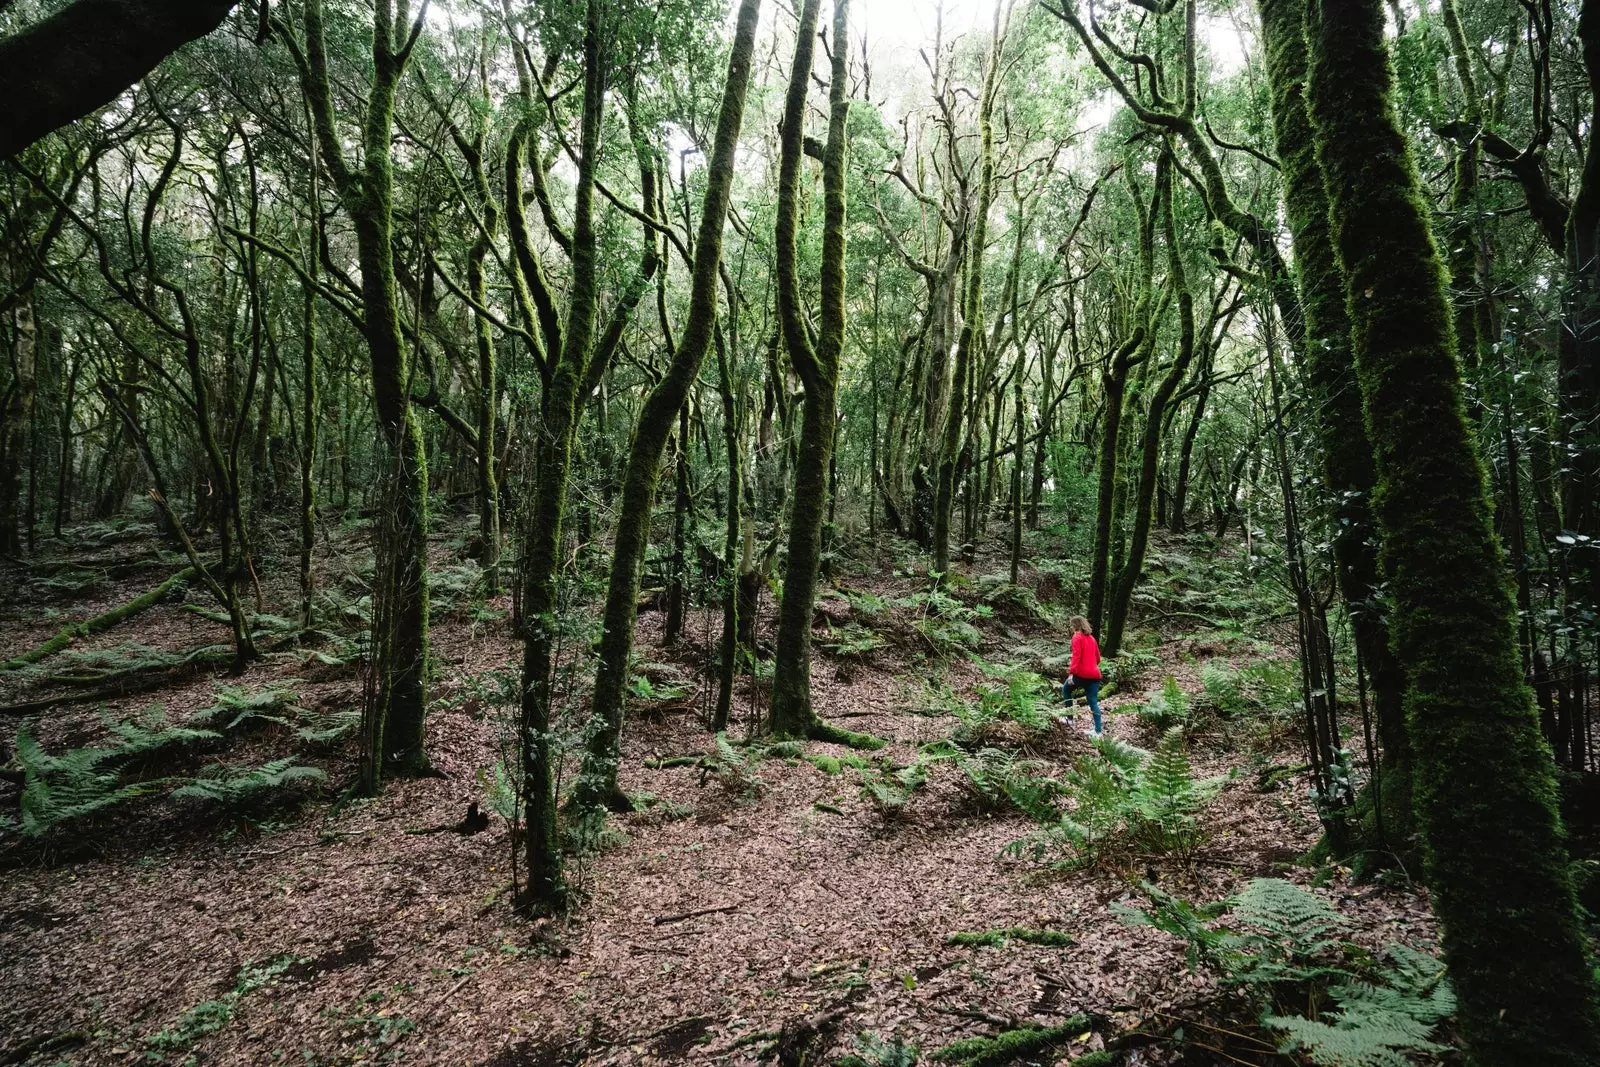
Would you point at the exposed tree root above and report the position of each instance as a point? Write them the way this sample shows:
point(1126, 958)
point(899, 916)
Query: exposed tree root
point(838, 735)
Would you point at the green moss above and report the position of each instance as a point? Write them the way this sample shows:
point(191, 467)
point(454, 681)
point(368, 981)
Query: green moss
point(1096, 1059)
point(597, 785)
point(1003, 1048)
point(1348, 474)
point(998, 937)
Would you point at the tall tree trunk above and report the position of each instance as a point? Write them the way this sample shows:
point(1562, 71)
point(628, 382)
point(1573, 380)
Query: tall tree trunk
point(972, 337)
point(818, 368)
point(1486, 797)
point(394, 736)
point(540, 558)
point(597, 785)
point(1127, 578)
point(728, 662)
point(14, 424)
point(1347, 463)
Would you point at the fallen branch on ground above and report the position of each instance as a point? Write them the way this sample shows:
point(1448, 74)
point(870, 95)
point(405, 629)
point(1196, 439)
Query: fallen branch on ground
point(104, 621)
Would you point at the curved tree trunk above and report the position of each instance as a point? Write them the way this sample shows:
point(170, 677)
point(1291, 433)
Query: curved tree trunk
point(818, 368)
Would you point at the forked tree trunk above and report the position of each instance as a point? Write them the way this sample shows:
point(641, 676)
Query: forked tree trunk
point(818, 368)
point(597, 785)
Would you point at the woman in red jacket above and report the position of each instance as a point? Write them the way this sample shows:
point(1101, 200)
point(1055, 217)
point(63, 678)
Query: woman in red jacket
point(1084, 670)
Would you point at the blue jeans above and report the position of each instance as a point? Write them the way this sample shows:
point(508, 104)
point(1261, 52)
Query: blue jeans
point(1091, 691)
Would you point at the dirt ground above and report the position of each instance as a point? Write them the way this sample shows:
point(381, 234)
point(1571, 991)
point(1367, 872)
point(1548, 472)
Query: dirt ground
point(323, 933)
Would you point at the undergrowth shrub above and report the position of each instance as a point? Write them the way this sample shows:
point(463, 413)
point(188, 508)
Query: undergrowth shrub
point(996, 591)
point(1122, 799)
point(851, 641)
point(1222, 688)
point(60, 789)
point(945, 623)
point(1166, 708)
point(996, 780)
point(888, 787)
point(1316, 994)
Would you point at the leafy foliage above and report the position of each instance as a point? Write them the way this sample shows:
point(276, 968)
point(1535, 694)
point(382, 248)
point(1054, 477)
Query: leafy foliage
point(1165, 708)
point(852, 641)
point(998, 780)
point(873, 1051)
point(888, 787)
point(234, 789)
point(1324, 999)
point(238, 705)
point(61, 789)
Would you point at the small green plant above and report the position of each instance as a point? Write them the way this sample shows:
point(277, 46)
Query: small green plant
point(852, 641)
point(1223, 688)
point(61, 789)
point(996, 781)
point(239, 705)
point(888, 788)
point(1165, 708)
point(873, 1051)
point(866, 606)
point(1148, 802)
point(997, 938)
point(209, 1016)
point(1017, 695)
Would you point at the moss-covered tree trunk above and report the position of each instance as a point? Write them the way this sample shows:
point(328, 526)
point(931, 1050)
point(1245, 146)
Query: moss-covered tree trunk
point(971, 339)
point(597, 785)
point(1127, 578)
point(728, 661)
point(817, 366)
point(1346, 452)
point(1114, 387)
point(15, 420)
point(540, 556)
point(395, 739)
point(1485, 789)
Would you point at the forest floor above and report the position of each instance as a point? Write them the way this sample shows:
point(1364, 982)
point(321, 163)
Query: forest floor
point(741, 899)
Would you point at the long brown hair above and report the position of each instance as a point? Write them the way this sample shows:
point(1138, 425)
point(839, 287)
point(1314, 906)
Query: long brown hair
point(1081, 624)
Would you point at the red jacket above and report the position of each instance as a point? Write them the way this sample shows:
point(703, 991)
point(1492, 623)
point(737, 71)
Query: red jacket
point(1085, 657)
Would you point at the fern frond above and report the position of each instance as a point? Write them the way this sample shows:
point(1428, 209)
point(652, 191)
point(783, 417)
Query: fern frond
point(235, 789)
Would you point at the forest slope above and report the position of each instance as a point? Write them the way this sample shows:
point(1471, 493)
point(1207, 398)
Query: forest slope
point(747, 894)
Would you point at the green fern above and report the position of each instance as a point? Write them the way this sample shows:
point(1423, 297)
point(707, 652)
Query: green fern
point(1282, 948)
point(1166, 707)
point(1181, 919)
point(60, 789)
point(1376, 1025)
point(238, 705)
point(232, 788)
point(888, 788)
point(320, 730)
point(1284, 936)
point(997, 780)
point(139, 739)
point(500, 793)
